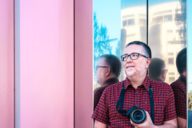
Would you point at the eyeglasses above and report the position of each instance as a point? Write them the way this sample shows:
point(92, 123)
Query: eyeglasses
point(132, 56)
point(99, 66)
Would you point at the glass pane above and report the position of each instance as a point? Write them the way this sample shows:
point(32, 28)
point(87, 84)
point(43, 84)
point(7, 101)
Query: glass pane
point(189, 64)
point(166, 31)
point(106, 30)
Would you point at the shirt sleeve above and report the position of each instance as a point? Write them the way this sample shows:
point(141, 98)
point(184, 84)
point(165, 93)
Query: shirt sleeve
point(101, 112)
point(170, 112)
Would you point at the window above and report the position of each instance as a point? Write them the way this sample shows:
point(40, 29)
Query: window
point(171, 79)
point(167, 18)
point(171, 73)
point(130, 22)
point(170, 60)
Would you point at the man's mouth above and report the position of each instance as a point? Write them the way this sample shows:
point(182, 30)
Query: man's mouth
point(129, 67)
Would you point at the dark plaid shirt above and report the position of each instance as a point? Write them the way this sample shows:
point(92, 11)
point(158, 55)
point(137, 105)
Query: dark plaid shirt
point(179, 89)
point(164, 105)
point(98, 91)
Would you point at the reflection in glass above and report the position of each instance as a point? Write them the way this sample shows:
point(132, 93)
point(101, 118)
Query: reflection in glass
point(189, 62)
point(167, 32)
point(133, 19)
point(106, 26)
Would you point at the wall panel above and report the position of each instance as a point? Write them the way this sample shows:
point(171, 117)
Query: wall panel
point(46, 64)
point(83, 64)
point(6, 64)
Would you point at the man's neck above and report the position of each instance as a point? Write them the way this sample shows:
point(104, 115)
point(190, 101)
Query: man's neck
point(137, 81)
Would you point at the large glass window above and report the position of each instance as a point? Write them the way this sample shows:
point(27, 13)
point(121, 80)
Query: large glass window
point(159, 23)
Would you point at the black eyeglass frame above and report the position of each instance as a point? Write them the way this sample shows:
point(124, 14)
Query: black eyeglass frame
point(124, 57)
point(100, 66)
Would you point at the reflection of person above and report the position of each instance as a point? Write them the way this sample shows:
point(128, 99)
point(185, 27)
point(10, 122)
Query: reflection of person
point(157, 69)
point(108, 69)
point(179, 88)
point(156, 98)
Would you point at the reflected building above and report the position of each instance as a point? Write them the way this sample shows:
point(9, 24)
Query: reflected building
point(134, 23)
point(166, 31)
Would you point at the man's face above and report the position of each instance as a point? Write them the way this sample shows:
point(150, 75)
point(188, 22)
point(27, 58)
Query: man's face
point(139, 63)
point(102, 71)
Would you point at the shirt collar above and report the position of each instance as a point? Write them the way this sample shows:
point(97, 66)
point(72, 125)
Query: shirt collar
point(146, 83)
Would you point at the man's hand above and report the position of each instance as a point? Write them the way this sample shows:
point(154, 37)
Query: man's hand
point(149, 124)
point(182, 123)
point(99, 124)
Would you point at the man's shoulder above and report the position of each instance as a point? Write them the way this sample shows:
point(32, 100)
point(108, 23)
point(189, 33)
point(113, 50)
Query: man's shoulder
point(99, 90)
point(160, 85)
point(177, 84)
point(114, 87)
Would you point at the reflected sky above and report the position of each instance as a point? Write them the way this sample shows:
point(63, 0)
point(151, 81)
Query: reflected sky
point(111, 10)
point(126, 3)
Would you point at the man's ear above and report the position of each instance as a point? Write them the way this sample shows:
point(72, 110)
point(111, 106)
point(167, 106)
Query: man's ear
point(148, 61)
point(184, 73)
point(108, 72)
point(163, 76)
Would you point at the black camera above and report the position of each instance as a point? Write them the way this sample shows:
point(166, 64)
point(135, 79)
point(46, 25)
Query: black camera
point(137, 115)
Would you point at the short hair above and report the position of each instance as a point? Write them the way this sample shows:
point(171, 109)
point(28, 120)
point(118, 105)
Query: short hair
point(144, 45)
point(155, 68)
point(181, 61)
point(113, 62)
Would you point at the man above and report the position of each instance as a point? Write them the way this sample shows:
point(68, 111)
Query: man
point(157, 69)
point(107, 71)
point(179, 88)
point(156, 98)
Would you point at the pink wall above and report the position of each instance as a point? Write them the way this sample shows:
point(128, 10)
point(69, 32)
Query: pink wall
point(6, 64)
point(46, 64)
point(83, 64)
point(53, 64)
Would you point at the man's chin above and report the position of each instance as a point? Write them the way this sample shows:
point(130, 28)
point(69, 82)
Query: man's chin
point(130, 74)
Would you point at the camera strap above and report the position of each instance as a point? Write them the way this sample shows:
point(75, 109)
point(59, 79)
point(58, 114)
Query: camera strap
point(151, 103)
point(120, 102)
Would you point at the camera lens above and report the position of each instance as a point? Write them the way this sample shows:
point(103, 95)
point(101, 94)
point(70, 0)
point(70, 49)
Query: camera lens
point(138, 116)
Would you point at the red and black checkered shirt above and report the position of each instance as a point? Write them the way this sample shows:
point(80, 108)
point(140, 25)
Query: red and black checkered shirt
point(179, 89)
point(164, 105)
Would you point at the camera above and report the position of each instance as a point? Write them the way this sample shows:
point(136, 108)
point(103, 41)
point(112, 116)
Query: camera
point(137, 115)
